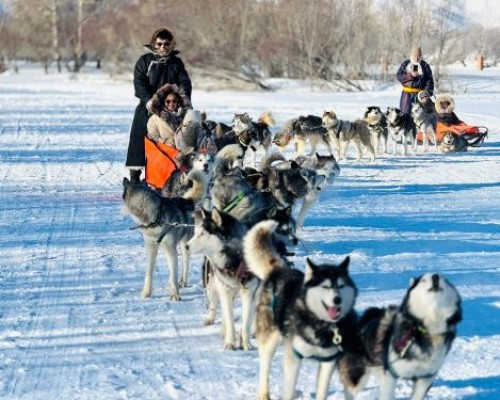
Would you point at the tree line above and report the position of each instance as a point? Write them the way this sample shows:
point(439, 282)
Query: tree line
point(325, 40)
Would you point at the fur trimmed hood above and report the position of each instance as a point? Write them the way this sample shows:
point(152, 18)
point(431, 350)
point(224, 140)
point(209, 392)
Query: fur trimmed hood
point(445, 104)
point(158, 100)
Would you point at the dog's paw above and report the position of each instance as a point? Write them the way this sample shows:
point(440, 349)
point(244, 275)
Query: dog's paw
point(246, 347)
point(175, 296)
point(146, 292)
point(208, 321)
point(183, 284)
point(229, 346)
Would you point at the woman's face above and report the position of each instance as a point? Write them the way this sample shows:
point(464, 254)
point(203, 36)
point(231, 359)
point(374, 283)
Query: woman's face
point(171, 102)
point(161, 46)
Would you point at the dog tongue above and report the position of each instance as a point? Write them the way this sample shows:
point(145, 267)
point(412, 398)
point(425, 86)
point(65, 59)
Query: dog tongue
point(333, 312)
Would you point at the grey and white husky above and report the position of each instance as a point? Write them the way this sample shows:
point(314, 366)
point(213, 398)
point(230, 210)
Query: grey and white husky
point(219, 236)
point(342, 132)
point(311, 313)
point(402, 129)
point(453, 143)
point(409, 341)
point(302, 130)
point(377, 125)
point(425, 123)
point(164, 223)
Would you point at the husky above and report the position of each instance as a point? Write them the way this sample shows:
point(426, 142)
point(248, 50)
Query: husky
point(164, 223)
point(219, 236)
point(260, 134)
point(377, 125)
point(302, 130)
point(216, 129)
point(409, 341)
point(311, 313)
point(231, 192)
point(326, 166)
point(425, 123)
point(186, 160)
point(453, 143)
point(342, 132)
point(401, 128)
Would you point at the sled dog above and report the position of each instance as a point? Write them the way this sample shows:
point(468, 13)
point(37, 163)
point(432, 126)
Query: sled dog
point(453, 143)
point(311, 313)
point(401, 128)
point(302, 130)
point(186, 160)
point(231, 192)
point(377, 125)
point(425, 123)
point(409, 341)
point(342, 132)
point(164, 223)
point(219, 236)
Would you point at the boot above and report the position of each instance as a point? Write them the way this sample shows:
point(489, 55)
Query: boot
point(135, 176)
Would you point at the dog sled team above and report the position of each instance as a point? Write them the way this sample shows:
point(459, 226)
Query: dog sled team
point(198, 196)
point(241, 219)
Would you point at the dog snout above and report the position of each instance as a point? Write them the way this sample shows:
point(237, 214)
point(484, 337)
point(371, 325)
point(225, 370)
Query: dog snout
point(337, 300)
point(435, 282)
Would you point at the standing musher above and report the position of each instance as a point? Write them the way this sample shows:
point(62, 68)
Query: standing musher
point(415, 75)
point(160, 65)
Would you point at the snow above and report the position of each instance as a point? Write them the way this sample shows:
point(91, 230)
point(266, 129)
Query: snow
point(72, 325)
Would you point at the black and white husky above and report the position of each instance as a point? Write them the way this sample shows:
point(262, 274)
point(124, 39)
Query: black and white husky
point(165, 223)
point(402, 129)
point(377, 125)
point(409, 342)
point(219, 236)
point(311, 313)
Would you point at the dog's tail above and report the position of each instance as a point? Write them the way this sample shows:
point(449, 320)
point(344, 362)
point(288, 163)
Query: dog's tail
point(261, 256)
point(198, 192)
point(268, 159)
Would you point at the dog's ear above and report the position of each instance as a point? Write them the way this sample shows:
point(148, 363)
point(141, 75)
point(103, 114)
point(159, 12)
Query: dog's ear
point(126, 181)
point(288, 211)
point(294, 165)
point(344, 265)
point(310, 269)
point(217, 217)
point(271, 213)
point(205, 214)
point(198, 215)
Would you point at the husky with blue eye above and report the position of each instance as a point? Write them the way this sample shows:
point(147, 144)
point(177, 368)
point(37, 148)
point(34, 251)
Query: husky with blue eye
point(311, 313)
point(409, 341)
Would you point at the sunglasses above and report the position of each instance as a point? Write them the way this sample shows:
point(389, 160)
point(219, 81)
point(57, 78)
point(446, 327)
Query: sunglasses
point(170, 101)
point(162, 44)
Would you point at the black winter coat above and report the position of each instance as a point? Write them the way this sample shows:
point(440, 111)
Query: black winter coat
point(151, 72)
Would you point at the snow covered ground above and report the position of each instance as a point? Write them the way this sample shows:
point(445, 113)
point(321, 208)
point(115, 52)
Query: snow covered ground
point(72, 325)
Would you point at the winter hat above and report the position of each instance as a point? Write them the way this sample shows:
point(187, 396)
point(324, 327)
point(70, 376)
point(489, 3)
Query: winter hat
point(445, 103)
point(423, 94)
point(416, 51)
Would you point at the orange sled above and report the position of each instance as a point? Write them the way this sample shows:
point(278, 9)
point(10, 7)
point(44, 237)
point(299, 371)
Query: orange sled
point(160, 162)
point(474, 134)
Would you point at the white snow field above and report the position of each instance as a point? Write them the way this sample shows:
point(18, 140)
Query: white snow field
point(72, 325)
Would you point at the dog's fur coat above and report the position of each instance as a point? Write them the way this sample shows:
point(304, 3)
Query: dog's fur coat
point(165, 223)
point(410, 341)
point(311, 313)
point(401, 128)
point(341, 133)
point(425, 123)
point(377, 125)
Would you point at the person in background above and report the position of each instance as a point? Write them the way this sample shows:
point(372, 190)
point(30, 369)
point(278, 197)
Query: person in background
point(160, 65)
point(415, 75)
point(425, 101)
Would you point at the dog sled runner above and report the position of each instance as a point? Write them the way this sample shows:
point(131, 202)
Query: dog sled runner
point(160, 163)
point(475, 135)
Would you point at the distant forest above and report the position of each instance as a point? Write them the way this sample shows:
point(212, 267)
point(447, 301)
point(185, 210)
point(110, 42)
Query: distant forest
point(317, 40)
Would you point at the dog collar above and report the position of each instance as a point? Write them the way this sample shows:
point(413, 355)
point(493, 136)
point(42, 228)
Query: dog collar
point(234, 202)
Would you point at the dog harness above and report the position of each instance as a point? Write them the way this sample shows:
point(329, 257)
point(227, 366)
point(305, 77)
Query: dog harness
point(336, 340)
point(234, 201)
point(341, 127)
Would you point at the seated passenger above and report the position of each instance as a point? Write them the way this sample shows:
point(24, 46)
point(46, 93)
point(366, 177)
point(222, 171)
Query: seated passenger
point(445, 106)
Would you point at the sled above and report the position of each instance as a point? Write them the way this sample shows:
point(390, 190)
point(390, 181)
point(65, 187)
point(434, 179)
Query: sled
point(475, 135)
point(160, 162)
